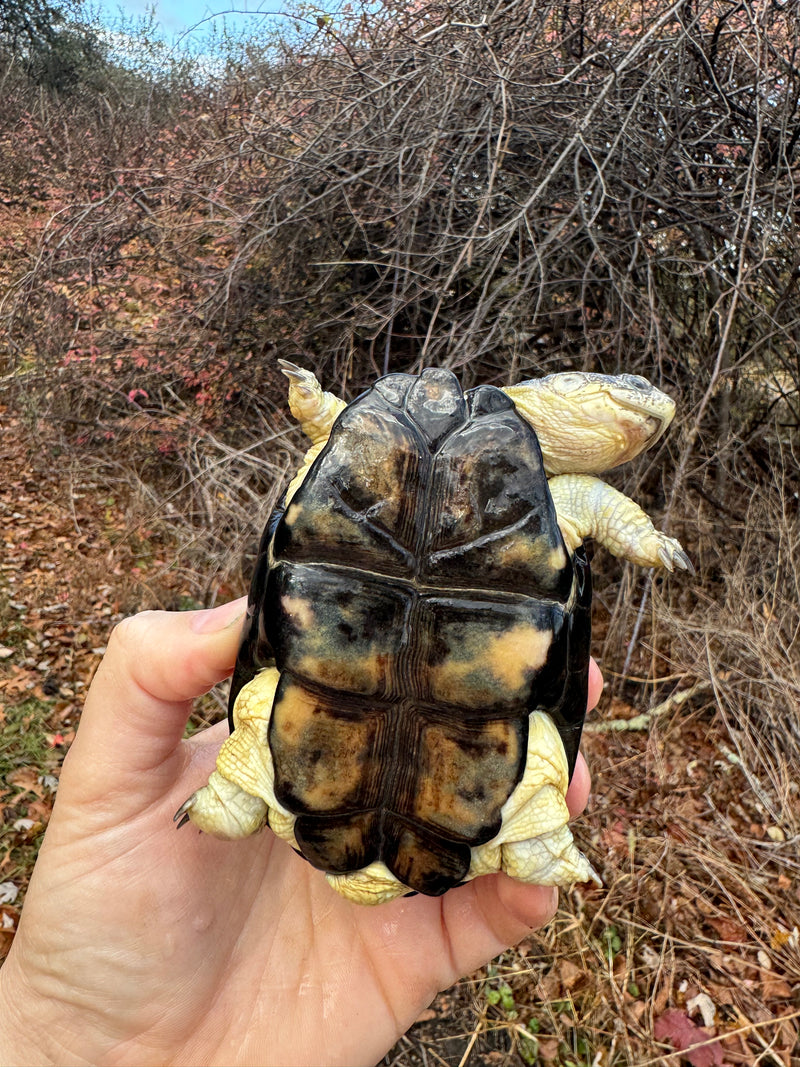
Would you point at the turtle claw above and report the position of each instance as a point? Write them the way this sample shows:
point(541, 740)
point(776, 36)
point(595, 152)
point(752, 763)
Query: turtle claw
point(684, 562)
point(182, 813)
point(672, 555)
point(297, 375)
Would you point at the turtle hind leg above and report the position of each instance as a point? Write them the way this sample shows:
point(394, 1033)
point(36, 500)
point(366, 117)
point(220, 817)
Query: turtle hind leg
point(239, 795)
point(223, 810)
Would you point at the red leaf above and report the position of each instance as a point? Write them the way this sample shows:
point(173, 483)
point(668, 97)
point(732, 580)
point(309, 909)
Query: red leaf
point(677, 1028)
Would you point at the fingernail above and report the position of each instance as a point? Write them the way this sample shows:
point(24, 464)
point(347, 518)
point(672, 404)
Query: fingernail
point(212, 620)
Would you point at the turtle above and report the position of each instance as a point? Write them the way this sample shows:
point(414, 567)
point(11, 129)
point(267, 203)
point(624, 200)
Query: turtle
point(410, 689)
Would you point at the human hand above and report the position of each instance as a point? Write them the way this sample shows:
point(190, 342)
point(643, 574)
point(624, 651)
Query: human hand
point(139, 945)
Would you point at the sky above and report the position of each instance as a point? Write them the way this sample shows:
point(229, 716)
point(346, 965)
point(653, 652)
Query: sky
point(177, 17)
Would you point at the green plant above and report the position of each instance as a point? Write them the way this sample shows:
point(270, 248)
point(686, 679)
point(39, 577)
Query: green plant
point(500, 994)
point(612, 943)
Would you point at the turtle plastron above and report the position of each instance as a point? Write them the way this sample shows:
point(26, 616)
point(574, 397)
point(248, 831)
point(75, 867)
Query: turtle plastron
point(239, 799)
point(535, 844)
point(408, 697)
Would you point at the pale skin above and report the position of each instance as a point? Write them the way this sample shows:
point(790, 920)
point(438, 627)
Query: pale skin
point(142, 945)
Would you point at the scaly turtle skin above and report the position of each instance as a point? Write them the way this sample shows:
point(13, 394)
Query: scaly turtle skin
point(409, 694)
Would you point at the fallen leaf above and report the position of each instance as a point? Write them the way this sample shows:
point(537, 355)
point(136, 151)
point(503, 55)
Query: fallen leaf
point(570, 974)
point(549, 986)
point(548, 1048)
point(27, 778)
point(634, 1010)
point(701, 1049)
point(728, 929)
point(776, 988)
point(39, 811)
point(784, 937)
point(661, 998)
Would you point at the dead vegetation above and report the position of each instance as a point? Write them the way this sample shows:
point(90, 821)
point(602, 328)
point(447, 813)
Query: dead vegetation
point(508, 191)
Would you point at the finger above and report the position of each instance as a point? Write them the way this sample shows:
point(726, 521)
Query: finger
point(579, 787)
point(489, 914)
point(595, 684)
point(482, 918)
point(141, 697)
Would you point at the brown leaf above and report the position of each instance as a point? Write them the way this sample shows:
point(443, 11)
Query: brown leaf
point(678, 1029)
point(9, 916)
point(634, 1010)
point(548, 1048)
point(27, 778)
point(39, 810)
point(729, 929)
point(614, 838)
point(777, 988)
point(661, 998)
point(570, 974)
point(6, 937)
point(549, 986)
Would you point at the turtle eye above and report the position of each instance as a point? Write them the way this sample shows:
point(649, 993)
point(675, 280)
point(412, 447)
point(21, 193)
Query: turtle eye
point(636, 381)
point(567, 382)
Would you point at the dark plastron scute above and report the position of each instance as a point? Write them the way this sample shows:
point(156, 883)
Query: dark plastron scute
point(569, 710)
point(419, 604)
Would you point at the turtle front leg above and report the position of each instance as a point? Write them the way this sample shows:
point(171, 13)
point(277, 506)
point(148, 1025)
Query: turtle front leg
point(239, 795)
point(589, 507)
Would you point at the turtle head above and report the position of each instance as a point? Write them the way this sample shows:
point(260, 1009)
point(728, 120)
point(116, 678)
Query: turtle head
point(588, 423)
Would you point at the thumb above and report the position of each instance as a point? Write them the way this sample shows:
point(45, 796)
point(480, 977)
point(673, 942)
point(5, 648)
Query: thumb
point(138, 704)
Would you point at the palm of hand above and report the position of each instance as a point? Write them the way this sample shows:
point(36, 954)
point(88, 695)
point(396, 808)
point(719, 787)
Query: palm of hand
point(139, 944)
